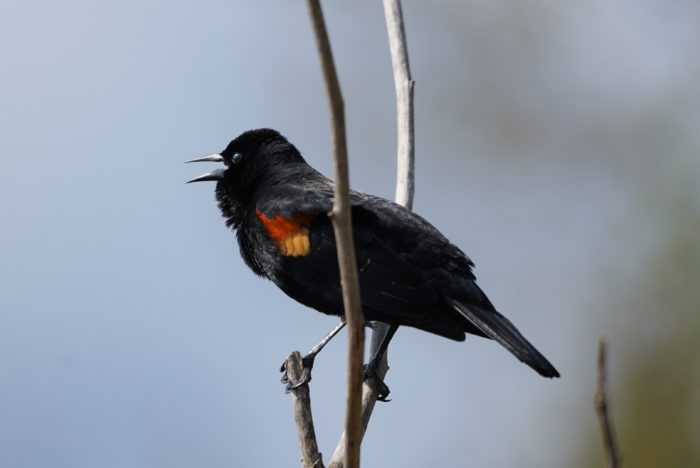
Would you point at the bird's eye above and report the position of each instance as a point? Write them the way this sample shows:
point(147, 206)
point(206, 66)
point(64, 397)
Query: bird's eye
point(236, 158)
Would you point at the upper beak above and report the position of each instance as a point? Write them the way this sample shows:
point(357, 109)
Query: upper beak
point(214, 175)
point(216, 157)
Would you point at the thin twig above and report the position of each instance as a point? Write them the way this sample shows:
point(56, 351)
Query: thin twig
point(404, 185)
point(301, 404)
point(342, 226)
point(612, 454)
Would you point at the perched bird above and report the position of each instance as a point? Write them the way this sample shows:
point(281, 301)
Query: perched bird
point(409, 273)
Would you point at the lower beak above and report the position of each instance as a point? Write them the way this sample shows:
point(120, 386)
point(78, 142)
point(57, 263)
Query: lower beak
point(215, 175)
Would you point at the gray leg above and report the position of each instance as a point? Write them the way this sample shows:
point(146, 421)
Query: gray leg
point(317, 349)
point(308, 360)
point(380, 342)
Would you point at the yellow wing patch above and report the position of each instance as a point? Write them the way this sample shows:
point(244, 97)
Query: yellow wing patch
point(291, 235)
point(297, 245)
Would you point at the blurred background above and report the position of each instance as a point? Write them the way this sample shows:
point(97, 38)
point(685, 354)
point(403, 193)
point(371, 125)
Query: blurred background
point(558, 143)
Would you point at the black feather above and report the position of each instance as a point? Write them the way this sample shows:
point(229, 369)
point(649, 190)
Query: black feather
point(499, 328)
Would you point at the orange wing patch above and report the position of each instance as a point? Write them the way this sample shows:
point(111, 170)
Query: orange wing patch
point(290, 234)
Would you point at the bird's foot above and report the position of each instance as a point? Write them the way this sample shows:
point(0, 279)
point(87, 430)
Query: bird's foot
point(370, 372)
point(307, 363)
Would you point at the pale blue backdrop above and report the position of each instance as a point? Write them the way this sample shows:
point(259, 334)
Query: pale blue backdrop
point(131, 333)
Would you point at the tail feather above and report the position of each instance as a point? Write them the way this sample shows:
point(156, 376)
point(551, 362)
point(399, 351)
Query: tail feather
point(502, 330)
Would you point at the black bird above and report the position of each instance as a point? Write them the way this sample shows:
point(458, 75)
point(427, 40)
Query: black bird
point(409, 273)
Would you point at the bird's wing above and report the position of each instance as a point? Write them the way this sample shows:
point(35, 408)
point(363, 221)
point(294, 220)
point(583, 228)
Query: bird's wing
point(392, 289)
point(413, 238)
point(289, 200)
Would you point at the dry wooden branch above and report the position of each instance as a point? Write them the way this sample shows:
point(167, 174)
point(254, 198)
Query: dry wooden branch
point(342, 226)
point(612, 454)
point(404, 102)
point(404, 184)
point(301, 404)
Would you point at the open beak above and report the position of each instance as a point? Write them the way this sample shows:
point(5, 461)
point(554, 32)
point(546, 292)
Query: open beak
point(214, 175)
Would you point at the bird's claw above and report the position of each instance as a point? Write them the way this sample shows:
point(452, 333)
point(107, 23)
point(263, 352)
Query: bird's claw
point(307, 363)
point(370, 372)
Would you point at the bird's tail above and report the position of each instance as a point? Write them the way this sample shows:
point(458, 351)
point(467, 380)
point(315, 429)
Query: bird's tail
point(499, 328)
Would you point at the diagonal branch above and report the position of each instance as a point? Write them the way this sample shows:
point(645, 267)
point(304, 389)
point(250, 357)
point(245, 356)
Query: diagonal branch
point(348, 449)
point(612, 453)
point(404, 185)
point(342, 226)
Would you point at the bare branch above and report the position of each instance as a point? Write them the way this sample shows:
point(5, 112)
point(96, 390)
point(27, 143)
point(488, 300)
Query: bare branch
point(612, 454)
point(404, 102)
point(342, 226)
point(404, 185)
point(301, 404)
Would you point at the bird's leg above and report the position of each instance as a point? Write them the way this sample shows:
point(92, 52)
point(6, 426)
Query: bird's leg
point(370, 369)
point(308, 360)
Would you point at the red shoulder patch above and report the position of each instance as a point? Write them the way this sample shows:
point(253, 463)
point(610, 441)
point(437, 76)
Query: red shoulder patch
point(291, 235)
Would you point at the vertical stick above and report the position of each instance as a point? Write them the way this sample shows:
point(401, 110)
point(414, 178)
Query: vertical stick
point(342, 226)
point(404, 103)
point(404, 184)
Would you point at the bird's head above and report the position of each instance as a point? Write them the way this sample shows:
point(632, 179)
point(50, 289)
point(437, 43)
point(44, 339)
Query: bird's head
point(252, 155)
point(254, 159)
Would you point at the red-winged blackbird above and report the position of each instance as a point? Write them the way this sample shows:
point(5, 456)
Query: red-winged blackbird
point(409, 273)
